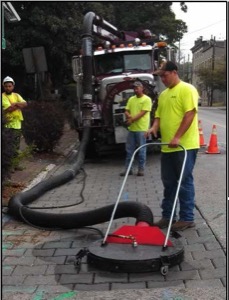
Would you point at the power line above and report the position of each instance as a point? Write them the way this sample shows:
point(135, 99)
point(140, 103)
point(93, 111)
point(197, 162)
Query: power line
point(206, 26)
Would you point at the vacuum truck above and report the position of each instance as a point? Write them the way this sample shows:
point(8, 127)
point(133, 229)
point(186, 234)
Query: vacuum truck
point(105, 70)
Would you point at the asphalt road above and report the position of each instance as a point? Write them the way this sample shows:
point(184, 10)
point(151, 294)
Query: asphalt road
point(210, 173)
point(216, 116)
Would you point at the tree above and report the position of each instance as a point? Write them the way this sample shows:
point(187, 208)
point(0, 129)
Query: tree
point(219, 75)
point(57, 26)
point(213, 79)
point(156, 16)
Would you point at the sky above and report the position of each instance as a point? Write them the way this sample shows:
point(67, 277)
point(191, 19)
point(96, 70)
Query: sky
point(207, 19)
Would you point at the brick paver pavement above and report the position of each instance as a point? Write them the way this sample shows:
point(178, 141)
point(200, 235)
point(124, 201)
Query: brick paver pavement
point(39, 264)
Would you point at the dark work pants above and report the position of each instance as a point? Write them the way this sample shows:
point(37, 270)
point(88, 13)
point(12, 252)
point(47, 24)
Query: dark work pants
point(171, 164)
point(16, 135)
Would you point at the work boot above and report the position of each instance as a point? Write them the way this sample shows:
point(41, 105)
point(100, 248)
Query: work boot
point(163, 223)
point(140, 172)
point(124, 173)
point(182, 225)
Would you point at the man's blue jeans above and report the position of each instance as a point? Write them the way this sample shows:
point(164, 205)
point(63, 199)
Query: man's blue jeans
point(135, 140)
point(171, 164)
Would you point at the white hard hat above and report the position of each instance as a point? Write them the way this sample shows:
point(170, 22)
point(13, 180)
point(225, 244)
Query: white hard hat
point(8, 79)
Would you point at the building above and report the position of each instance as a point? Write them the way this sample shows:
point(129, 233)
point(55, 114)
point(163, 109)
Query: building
point(207, 54)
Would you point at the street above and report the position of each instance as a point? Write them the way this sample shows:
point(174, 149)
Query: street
point(216, 116)
point(210, 174)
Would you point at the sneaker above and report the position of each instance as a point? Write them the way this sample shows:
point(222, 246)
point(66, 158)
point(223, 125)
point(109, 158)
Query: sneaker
point(124, 173)
point(182, 225)
point(140, 173)
point(163, 223)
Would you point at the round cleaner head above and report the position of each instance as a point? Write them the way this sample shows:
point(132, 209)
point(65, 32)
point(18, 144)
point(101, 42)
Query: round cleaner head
point(134, 259)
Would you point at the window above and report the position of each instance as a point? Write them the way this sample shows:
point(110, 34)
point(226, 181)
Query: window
point(123, 62)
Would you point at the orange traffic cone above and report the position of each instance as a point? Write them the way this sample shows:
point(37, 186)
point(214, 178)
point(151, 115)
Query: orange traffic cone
point(213, 147)
point(202, 143)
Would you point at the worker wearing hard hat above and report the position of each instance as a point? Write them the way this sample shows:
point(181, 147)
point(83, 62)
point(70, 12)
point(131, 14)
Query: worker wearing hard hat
point(12, 105)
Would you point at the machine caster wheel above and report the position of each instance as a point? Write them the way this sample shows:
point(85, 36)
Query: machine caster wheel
point(77, 263)
point(164, 270)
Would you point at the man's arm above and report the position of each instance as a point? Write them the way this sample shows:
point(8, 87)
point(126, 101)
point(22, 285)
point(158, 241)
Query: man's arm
point(138, 116)
point(15, 106)
point(12, 107)
point(21, 105)
point(127, 114)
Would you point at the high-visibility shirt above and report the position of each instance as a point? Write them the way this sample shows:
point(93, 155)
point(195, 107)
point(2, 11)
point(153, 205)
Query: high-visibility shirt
point(173, 103)
point(136, 105)
point(15, 117)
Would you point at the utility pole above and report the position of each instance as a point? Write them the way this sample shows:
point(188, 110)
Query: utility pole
point(184, 69)
point(213, 66)
point(179, 53)
point(188, 69)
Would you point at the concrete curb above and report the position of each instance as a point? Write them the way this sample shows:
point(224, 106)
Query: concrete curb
point(41, 176)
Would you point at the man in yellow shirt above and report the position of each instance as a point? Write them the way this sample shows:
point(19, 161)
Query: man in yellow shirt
point(137, 113)
point(12, 104)
point(176, 117)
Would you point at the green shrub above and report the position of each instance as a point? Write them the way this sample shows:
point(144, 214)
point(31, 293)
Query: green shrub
point(69, 102)
point(7, 151)
point(43, 125)
point(22, 154)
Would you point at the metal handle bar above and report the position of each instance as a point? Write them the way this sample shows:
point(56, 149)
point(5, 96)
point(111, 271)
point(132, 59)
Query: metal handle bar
point(124, 182)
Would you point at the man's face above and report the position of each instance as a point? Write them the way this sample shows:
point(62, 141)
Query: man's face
point(138, 90)
point(168, 78)
point(8, 87)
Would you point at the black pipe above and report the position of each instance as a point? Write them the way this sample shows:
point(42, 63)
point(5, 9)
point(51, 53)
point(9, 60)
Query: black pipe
point(87, 54)
point(77, 220)
point(18, 209)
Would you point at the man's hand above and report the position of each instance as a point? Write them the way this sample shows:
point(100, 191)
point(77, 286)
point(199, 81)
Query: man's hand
point(12, 107)
point(152, 130)
point(21, 105)
point(129, 121)
point(174, 143)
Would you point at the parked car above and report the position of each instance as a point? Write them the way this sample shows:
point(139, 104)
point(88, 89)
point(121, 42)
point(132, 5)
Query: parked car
point(199, 101)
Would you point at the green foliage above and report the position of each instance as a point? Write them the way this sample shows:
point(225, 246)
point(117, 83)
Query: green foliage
point(26, 153)
point(43, 125)
point(213, 79)
point(57, 26)
point(220, 75)
point(11, 158)
point(156, 16)
point(69, 103)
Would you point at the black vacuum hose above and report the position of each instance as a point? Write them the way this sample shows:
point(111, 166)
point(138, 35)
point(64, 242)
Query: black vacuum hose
point(77, 220)
point(17, 204)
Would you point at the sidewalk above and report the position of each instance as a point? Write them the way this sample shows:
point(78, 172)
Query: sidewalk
point(39, 165)
point(39, 264)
